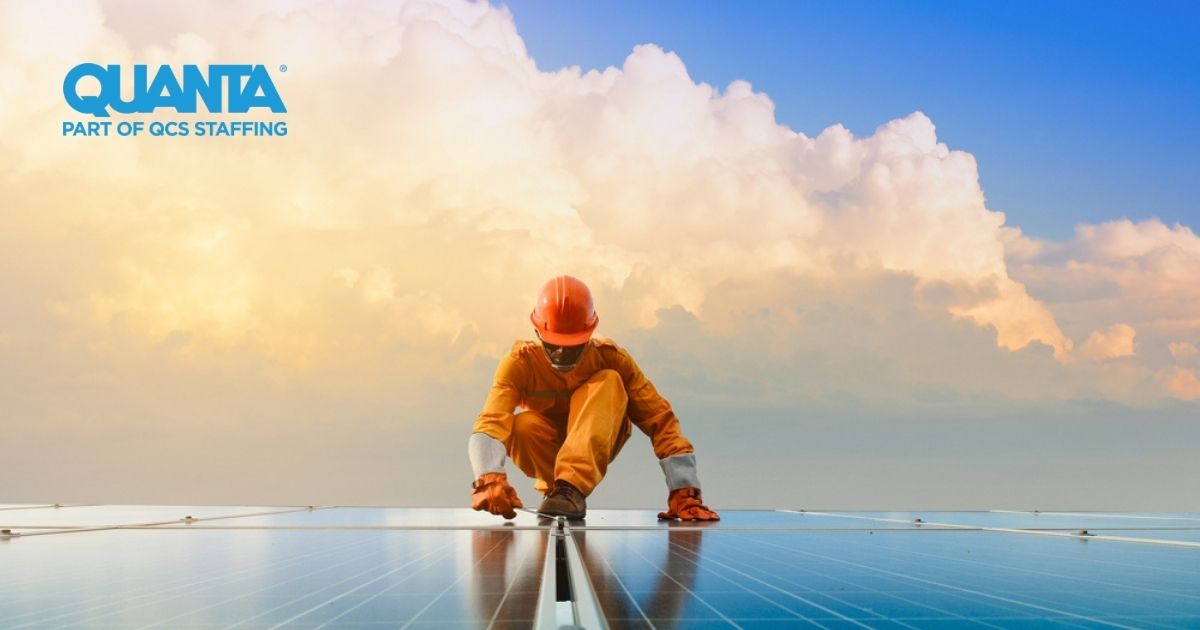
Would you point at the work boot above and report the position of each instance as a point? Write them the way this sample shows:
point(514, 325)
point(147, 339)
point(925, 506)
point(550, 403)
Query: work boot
point(564, 500)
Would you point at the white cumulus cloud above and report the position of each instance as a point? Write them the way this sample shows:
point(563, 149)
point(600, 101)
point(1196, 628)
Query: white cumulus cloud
point(1112, 343)
point(1143, 274)
point(1182, 382)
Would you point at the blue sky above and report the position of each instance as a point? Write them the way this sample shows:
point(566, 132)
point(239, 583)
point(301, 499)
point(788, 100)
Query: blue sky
point(1076, 111)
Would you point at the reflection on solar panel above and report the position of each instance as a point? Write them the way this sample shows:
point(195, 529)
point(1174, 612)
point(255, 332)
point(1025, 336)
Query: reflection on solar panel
point(262, 567)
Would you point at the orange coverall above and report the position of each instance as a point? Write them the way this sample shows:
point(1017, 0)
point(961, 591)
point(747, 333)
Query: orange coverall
point(572, 424)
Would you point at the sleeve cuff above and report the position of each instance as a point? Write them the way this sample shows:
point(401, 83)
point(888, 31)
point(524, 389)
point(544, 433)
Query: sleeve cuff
point(680, 471)
point(486, 453)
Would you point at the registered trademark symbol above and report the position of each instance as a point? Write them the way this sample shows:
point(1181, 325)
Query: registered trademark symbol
point(283, 68)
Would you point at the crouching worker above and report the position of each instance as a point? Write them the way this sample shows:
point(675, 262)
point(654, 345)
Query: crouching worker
point(562, 407)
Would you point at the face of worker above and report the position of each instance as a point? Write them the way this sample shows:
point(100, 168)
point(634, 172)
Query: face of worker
point(562, 358)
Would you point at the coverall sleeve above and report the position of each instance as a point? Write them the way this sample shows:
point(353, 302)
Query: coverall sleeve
point(649, 411)
point(496, 419)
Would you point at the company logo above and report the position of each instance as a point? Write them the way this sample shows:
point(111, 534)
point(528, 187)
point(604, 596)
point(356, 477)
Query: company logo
point(223, 88)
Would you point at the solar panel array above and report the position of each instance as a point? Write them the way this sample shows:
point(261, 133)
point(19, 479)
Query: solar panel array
point(342, 567)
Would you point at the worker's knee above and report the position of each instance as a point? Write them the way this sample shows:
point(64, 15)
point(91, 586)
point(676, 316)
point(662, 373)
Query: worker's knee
point(610, 383)
point(601, 398)
point(608, 377)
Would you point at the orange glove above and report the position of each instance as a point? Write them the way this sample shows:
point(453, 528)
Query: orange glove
point(493, 494)
point(684, 503)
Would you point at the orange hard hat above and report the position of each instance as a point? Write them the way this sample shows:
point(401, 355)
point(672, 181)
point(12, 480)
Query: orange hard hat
point(564, 314)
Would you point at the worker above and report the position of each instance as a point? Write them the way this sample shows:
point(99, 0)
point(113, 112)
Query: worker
point(563, 406)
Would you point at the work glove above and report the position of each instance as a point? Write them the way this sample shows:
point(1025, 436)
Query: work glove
point(684, 503)
point(493, 494)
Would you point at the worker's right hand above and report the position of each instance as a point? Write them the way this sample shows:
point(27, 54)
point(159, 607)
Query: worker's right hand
point(686, 504)
point(493, 494)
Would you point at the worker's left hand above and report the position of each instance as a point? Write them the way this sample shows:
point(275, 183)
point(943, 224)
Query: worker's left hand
point(685, 504)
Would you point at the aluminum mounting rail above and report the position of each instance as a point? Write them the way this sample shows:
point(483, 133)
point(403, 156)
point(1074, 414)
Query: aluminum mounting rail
point(567, 598)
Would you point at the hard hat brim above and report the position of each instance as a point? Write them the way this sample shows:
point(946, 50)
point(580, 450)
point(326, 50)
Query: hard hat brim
point(563, 339)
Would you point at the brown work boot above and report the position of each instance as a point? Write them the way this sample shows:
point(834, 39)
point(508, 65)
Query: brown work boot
point(564, 500)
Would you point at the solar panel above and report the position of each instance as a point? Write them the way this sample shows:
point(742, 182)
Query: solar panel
point(888, 579)
point(263, 578)
point(262, 567)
